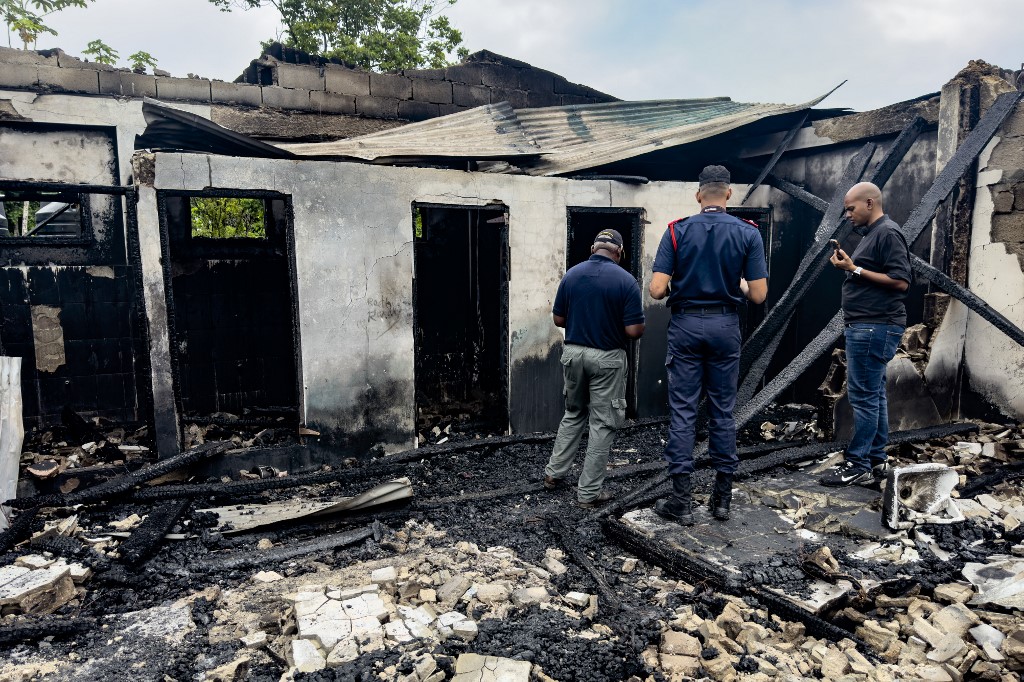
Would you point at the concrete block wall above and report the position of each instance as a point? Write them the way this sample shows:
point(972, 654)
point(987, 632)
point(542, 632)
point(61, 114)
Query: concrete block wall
point(420, 94)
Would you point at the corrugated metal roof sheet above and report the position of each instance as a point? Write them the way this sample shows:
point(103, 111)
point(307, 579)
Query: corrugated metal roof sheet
point(556, 140)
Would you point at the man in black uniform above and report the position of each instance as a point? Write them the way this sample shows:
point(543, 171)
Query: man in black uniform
point(713, 261)
point(877, 279)
point(598, 303)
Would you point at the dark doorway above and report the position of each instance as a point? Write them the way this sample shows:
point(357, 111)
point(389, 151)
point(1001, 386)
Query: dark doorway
point(460, 298)
point(752, 315)
point(231, 305)
point(583, 225)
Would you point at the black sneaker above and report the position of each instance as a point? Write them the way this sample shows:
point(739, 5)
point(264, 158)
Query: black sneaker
point(845, 474)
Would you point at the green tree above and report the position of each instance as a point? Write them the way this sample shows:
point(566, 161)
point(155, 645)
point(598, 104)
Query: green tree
point(25, 17)
point(383, 35)
point(101, 52)
point(140, 60)
point(223, 217)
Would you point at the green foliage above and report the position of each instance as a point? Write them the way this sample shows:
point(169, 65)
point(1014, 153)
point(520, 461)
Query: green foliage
point(223, 217)
point(101, 52)
point(382, 35)
point(15, 210)
point(25, 17)
point(141, 60)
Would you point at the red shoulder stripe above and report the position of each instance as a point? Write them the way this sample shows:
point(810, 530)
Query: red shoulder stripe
point(751, 222)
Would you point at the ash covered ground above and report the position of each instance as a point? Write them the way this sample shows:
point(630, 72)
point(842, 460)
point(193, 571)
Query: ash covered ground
point(459, 577)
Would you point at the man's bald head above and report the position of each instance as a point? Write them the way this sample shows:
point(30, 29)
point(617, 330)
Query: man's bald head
point(863, 204)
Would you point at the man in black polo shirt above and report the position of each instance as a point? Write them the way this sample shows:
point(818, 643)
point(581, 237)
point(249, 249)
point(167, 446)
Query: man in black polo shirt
point(713, 262)
point(598, 304)
point(877, 279)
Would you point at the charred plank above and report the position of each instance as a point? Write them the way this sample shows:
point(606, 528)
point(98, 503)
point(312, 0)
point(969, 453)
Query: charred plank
point(147, 537)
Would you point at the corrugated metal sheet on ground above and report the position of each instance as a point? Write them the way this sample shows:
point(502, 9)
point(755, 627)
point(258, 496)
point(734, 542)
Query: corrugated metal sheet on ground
point(556, 140)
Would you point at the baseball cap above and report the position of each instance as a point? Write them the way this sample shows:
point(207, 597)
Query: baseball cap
point(612, 236)
point(714, 174)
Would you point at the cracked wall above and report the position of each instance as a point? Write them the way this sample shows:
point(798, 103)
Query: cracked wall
point(354, 268)
point(994, 363)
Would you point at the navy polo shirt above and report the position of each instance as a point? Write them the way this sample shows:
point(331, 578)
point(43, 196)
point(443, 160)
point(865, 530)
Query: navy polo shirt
point(714, 250)
point(598, 299)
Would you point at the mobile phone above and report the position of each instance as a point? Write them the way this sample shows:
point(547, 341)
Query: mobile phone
point(835, 244)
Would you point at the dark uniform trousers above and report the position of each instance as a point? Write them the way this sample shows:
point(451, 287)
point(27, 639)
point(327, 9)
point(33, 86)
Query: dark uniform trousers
point(703, 354)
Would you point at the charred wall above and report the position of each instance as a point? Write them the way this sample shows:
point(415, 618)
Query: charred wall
point(69, 304)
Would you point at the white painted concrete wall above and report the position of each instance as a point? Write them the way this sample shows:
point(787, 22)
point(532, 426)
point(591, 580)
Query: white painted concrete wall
point(354, 255)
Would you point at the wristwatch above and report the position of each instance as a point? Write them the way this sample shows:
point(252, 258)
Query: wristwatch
point(856, 271)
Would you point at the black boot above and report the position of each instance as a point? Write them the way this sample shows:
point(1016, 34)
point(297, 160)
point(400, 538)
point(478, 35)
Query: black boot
point(721, 496)
point(678, 506)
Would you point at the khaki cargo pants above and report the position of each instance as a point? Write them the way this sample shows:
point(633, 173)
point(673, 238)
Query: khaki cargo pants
point(595, 386)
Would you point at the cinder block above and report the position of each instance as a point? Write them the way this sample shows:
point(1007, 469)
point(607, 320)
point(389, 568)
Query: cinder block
point(332, 102)
point(236, 93)
point(305, 76)
point(286, 98)
point(377, 107)
point(536, 80)
point(9, 55)
point(195, 89)
point(470, 74)
point(429, 74)
point(418, 111)
point(346, 81)
point(127, 84)
point(576, 99)
point(390, 85)
point(470, 95)
point(19, 76)
point(446, 109)
point(68, 80)
point(500, 76)
point(438, 92)
point(66, 61)
point(517, 98)
point(564, 87)
point(540, 98)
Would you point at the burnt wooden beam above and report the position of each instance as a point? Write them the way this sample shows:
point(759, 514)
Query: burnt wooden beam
point(779, 151)
point(968, 298)
point(793, 190)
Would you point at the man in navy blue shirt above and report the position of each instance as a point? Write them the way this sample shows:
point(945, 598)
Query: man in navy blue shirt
point(707, 265)
point(598, 303)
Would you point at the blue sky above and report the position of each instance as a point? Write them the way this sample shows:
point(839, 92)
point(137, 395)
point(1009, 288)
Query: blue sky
point(750, 50)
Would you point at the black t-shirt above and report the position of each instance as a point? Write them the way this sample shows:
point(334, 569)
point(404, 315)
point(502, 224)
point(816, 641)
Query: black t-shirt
point(883, 249)
point(598, 300)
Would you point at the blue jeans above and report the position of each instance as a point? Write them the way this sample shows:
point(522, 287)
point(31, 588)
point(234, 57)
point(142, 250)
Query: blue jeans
point(703, 355)
point(869, 348)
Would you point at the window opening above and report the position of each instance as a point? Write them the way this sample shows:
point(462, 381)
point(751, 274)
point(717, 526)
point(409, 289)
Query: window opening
point(228, 217)
point(40, 215)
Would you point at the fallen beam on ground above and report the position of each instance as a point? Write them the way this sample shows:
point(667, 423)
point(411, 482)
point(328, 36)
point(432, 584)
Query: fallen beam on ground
point(967, 297)
point(149, 535)
point(116, 487)
point(605, 590)
point(245, 559)
point(18, 530)
point(30, 629)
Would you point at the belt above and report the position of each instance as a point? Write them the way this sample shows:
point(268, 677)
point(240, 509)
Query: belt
point(704, 310)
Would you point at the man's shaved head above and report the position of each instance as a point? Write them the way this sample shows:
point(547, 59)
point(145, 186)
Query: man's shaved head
point(863, 204)
point(865, 190)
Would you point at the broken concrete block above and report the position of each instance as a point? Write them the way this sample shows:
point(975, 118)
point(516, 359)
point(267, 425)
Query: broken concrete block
point(397, 632)
point(267, 577)
point(344, 651)
point(928, 632)
point(1013, 645)
point(680, 643)
point(954, 593)
point(428, 595)
point(950, 646)
point(578, 599)
point(235, 671)
point(368, 633)
point(530, 595)
point(721, 669)
point(476, 668)
point(875, 636)
point(554, 566)
point(452, 590)
point(628, 565)
point(680, 667)
point(255, 640)
point(385, 575)
point(859, 664)
point(955, 619)
point(355, 608)
point(492, 593)
point(834, 664)
point(465, 630)
point(33, 561)
point(986, 634)
point(39, 591)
